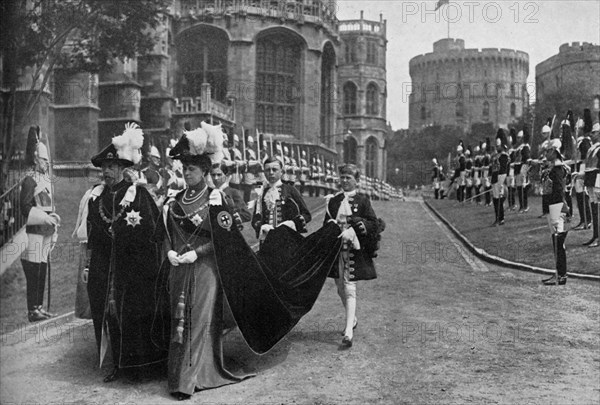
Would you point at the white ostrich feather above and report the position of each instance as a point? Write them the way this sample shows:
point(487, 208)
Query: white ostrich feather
point(129, 143)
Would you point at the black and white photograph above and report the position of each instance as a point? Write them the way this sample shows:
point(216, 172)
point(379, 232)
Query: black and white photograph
point(308, 202)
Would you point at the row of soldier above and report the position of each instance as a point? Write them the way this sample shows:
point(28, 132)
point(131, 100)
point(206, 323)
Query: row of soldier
point(568, 166)
point(245, 167)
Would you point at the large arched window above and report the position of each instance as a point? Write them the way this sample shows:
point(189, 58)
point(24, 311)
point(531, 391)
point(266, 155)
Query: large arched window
point(486, 110)
point(278, 61)
point(371, 151)
point(327, 94)
point(350, 98)
point(372, 99)
point(202, 58)
point(513, 110)
point(350, 147)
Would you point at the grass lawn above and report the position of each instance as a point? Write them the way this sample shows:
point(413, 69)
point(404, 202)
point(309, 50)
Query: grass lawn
point(65, 257)
point(524, 238)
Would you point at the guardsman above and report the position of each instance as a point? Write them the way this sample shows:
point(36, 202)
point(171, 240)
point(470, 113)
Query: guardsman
point(591, 179)
point(253, 168)
point(554, 183)
point(499, 169)
point(584, 143)
point(304, 172)
point(461, 171)
point(124, 259)
point(522, 169)
point(477, 165)
point(510, 178)
point(328, 178)
point(173, 173)
point(314, 178)
point(321, 178)
point(486, 161)
point(238, 164)
point(435, 178)
point(568, 153)
point(153, 175)
point(278, 203)
point(443, 186)
point(469, 174)
point(41, 224)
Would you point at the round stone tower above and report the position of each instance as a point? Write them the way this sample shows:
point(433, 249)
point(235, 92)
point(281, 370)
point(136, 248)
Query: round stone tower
point(460, 87)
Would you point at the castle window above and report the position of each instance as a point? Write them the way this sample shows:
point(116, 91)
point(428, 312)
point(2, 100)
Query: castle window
point(350, 51)
point(202, 60)
point(350, 98)
point(278, 61)
point(372, 99)
point(486, 110)
point(513, 109)
point(512, 90)
point(371, 151)
point(372, 52)
point(512, 75)
point(557, 81)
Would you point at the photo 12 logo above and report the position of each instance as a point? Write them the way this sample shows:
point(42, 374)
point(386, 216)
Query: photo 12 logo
point(470, 11)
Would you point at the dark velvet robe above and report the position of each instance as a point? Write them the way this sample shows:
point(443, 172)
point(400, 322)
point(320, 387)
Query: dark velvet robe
point(123, 272)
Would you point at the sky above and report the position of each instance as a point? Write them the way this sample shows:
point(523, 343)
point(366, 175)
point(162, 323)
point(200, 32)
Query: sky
point(535, 27)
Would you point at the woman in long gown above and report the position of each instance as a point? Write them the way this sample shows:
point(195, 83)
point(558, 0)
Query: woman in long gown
point(195, 293)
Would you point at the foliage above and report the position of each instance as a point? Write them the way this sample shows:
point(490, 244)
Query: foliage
point(39, 36)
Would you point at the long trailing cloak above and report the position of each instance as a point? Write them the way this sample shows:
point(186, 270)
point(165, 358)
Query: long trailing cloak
point(268, 293)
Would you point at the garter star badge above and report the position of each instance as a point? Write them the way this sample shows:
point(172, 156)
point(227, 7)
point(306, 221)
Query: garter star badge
point(133, 218)
point(224, 220)
point(196, 220)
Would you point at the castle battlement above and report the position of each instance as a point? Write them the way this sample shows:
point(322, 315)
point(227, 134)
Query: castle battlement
point(362, 26)
point(576, 52)
point(452, 50)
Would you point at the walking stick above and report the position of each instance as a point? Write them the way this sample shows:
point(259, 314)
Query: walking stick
point(475, 196)
point(555, 236)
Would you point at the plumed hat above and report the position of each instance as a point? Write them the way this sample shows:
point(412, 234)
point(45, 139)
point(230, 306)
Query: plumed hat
point(468, 151)
point(154, 152)
point(35, 148)
point(434, 161)
point(501, 138)
point(461, 147)
point(555, 144)
point(568, 145)
point(125, 148)
point(587, 121)
point(478, 148)
point(201, 143)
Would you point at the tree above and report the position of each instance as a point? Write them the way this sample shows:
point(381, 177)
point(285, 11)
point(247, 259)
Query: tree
point(39, 36)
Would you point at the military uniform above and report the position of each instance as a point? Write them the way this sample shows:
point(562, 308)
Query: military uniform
point(435, 179)
point(41, 225)
point(499, 169)
point(554, 185)
point(591, 181)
